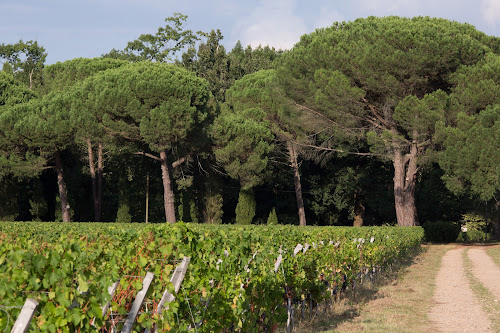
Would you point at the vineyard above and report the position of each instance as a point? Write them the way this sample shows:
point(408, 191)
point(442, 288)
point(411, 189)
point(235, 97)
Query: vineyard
point(242, 279)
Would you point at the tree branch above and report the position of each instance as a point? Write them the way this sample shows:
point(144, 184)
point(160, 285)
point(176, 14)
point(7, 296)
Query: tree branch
point(375, 113)
point(326, 118)
point(156, 158)
point(337, 150)
point(181, 160)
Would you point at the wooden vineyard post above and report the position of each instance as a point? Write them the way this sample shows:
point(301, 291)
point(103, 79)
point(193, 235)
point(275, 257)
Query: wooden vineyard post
point(291, 312)
point(136, 306)
point(176, 279)
point(23, 321)
point(111, 291)
point(278, 263)
point(298, 248)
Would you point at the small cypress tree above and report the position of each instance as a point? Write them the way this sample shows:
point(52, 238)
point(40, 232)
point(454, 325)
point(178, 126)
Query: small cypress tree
point(273, 218)
point(245, 209)
point(123, 213)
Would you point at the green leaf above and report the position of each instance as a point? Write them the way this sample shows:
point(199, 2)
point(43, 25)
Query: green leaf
point(76, 316)
point(82, 284)
point(143, 261)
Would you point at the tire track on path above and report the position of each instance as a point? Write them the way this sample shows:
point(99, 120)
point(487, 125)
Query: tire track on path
point(485, 270)
point(456, 309)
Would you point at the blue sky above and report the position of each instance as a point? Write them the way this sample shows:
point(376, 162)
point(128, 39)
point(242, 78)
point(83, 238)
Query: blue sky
point(88, 28)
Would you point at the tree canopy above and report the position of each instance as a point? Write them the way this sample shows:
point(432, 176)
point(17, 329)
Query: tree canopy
point(25, 60)
point(370, 118)
point(471, 155)
point(385, 79)
point(143, 103)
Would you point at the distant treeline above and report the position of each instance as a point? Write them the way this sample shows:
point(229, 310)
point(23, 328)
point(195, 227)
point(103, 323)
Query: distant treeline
point(376, 121)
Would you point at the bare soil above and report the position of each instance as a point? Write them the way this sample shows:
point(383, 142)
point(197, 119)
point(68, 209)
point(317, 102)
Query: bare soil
point(447, 288)
point(456, 307)
point(485, 270)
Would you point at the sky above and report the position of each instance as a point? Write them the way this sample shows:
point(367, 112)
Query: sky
point(70, 29)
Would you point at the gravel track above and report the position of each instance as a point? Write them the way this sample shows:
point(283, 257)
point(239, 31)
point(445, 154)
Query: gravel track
point(457, 309)
point(485, 270)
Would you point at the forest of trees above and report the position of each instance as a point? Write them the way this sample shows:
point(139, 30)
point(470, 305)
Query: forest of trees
point(376, 121)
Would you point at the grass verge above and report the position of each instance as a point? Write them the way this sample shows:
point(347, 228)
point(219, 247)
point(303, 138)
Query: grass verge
point(396, 302)
point(494, 253)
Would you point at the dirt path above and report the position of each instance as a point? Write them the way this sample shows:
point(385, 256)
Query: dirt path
point(485, 270)
point(447, 288)
point(457, 309)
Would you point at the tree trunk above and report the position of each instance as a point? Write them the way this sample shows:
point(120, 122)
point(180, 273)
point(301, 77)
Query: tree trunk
point(147, 197)
point(100, 168)
point(62, 189)
point(168, 193)
point(296, 182)
point(359, 210)
point(93, 179)
point(405, 177)
point(496, 221)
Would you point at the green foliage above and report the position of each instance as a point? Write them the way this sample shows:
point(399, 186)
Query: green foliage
point(477, 86)
point(160, 47)
point(384, 80)
point(221, 69)
point(63, 75)
point(155, 103)
point(26, 61)
point(473, 222)
point(245, 210)
point(187, 209)
point(38, 204)
point(333, 197)
point(242, 144)
point(213, 201)
point(230, 280)
point(123, 213)
point(473, 236)
point(471, 158)
point(9, 207)
point(12, 92)
point(15, 104)
point(474, 228)
point(210, 62)
point(441, 231)
point(46, 124)
point(273, 218)
point(390, 72)
point(261, 90)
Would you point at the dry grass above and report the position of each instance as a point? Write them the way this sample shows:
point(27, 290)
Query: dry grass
point(494, 253)
point(395, 302)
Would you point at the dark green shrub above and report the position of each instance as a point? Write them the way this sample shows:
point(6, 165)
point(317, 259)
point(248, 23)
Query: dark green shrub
point(245, 209)
point(123, 214)
point(273, 218)
point(473, 236)
point(441, 231)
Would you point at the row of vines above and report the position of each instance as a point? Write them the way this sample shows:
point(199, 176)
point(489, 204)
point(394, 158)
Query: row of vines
point(231, 284)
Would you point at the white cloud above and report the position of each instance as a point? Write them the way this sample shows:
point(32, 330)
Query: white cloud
point(327, 16)
point(490, 10)
point(272, 23)
point(390, 7)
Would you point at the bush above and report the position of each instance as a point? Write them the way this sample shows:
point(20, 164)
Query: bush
point(474, 228)
point(441, 231)
point(473, 236)
point(273, 218)
point(123, 214)
point(245, 209)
